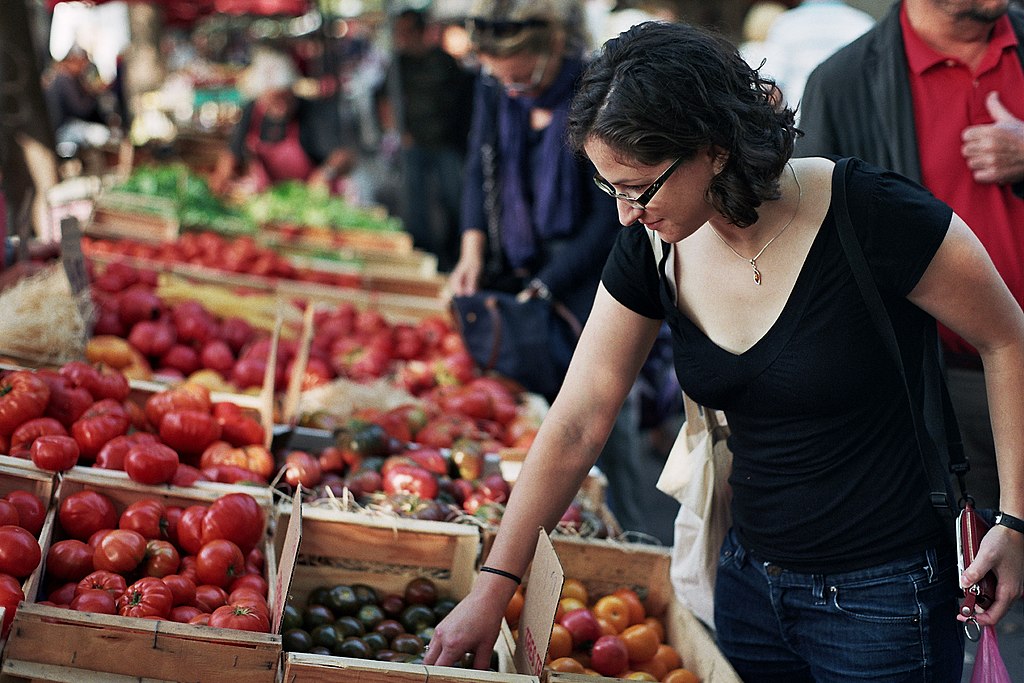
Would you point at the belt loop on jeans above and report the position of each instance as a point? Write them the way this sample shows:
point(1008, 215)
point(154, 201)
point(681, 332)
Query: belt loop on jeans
point(932, 563)
point(818, 588)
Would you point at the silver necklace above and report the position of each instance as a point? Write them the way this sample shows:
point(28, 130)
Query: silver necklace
point(753, 261)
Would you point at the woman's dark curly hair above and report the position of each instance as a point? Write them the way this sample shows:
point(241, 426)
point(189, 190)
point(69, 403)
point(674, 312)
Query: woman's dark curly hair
point(661, 91)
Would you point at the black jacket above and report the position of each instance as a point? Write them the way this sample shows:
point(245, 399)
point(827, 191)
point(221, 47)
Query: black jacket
point(858, 101)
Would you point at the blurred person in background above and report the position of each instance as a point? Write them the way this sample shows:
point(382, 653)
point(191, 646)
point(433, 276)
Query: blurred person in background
point(756, 23)
point(936, 92)
point(426, 100)
point(281, 136)
point(72, 91)
point(801, 38)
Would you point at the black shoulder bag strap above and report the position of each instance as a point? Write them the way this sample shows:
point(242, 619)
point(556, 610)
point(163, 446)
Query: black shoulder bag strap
point(942, 494)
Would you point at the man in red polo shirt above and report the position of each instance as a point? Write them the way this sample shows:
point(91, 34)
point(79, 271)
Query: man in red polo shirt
point(935, 91)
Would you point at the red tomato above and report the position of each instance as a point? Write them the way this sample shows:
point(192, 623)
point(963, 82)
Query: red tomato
point(161, 559)
point(241, 430)
point(219, 562)
point(67, 402)
point(148, 517)
point(84, 513)
point(255, 561)
point(120, 551)
point(302, 468)
point(151, 463)
point(111, 456)
point(189, 431)
point(173, 515)
point(98, 536)
point(9, 513)
point(28, 432)
point(190, 528)
point(54, 453)
point(186, 475)
point(184, 614)
point(63, 594)
point(253, 582)
point(23, 396)
point(70, 560)
point(146, 597)
point(188, 396)
point(235, 517)
point(93, 600)
point(104, 580)
point(240, 617)
point(201, 619)
point(10, 596)
point(19, 551)
point(31, 511)
point(102, 422)
point(79, 374)
point(108, 383)
point(188, 568)
point(254, 458)
point(410, 479)
point(429, 459)
point(182, 588)
point(209, 598)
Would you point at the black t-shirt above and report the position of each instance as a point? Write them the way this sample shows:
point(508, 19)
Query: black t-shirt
point(826, 470)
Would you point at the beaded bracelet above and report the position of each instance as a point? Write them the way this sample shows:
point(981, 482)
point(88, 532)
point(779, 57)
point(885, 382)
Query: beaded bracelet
point(502, 572)
point(1010, 522)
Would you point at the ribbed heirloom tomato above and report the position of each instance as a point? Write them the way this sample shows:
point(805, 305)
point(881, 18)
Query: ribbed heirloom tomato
point(146, 597)
point(235, 517)
point(54, 452)
point(120, 551)
point(23, 396)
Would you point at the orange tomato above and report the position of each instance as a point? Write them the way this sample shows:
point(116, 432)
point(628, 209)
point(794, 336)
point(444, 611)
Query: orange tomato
point(680, 676)
point(614, 610)
point(561, 642)
point(567, 605)
point(637, 613)
point(607, 629)
point(658, 627)
point(641, 642)
point(566, 665)
point(668, 656)
point(651, 666)
point(640, 676)
point(574, 588)
point(515, 607)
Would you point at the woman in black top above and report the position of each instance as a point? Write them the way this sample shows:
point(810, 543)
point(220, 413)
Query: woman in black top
point(837, 566)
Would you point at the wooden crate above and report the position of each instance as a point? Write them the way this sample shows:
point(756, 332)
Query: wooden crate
point(129, 216)
point(113, 648)
point(342, 547)
point(603, 566)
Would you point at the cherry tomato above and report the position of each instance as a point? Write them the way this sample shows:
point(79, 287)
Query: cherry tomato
point(146, 597)
point(19, 551)
point(55, 453)
point(235, 517)
point(161, 559)
point(151, 463)
point(104, 580)
point(85, 512)
point(70, 560)
point(23, 396)
point(120, 551)
point(31, 511)
point(219, 563)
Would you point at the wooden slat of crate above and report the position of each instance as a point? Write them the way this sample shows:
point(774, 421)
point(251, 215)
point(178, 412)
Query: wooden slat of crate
point(395, 307)
point(357, 240)
point(29, 672)
point(305, 668)
point(140, 648)
point(120, 223)
point(603, 566)
point(161, 650)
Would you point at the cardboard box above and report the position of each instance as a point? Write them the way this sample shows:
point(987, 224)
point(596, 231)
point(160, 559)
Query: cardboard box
point(385, 553)
point(51, 643)
point(604, 566)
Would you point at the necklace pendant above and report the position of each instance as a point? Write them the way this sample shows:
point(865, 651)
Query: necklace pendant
point(757, 273)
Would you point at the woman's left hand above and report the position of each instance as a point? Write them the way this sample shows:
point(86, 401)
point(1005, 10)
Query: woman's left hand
point(1001, 550)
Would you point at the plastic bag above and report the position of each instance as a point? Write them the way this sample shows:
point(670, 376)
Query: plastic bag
point(988, 663)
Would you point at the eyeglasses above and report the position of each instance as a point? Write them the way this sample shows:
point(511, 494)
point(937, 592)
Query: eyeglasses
point(646, 196)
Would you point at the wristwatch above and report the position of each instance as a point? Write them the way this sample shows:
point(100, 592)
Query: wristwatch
point(1010, 522)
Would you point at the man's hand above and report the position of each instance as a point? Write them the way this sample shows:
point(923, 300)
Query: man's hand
point(995, 151)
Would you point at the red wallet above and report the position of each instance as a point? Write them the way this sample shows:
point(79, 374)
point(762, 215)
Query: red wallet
point(970, 528)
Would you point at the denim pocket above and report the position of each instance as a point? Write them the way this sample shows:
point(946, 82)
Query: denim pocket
point(884, 599)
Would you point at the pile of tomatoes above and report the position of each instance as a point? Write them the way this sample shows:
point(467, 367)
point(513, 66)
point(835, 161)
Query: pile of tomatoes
point(196, 564)
point(21, 518)
point(608, 636)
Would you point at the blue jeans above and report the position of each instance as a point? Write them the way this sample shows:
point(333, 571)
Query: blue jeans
point(892, 622)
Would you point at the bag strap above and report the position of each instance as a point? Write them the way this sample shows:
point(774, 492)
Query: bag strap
point(942, 495)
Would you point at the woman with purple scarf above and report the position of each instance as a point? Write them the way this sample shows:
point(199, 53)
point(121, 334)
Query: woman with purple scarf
point(532, 221)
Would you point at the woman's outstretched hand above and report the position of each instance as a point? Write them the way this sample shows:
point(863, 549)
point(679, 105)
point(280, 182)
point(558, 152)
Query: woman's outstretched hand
point(472, 627)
